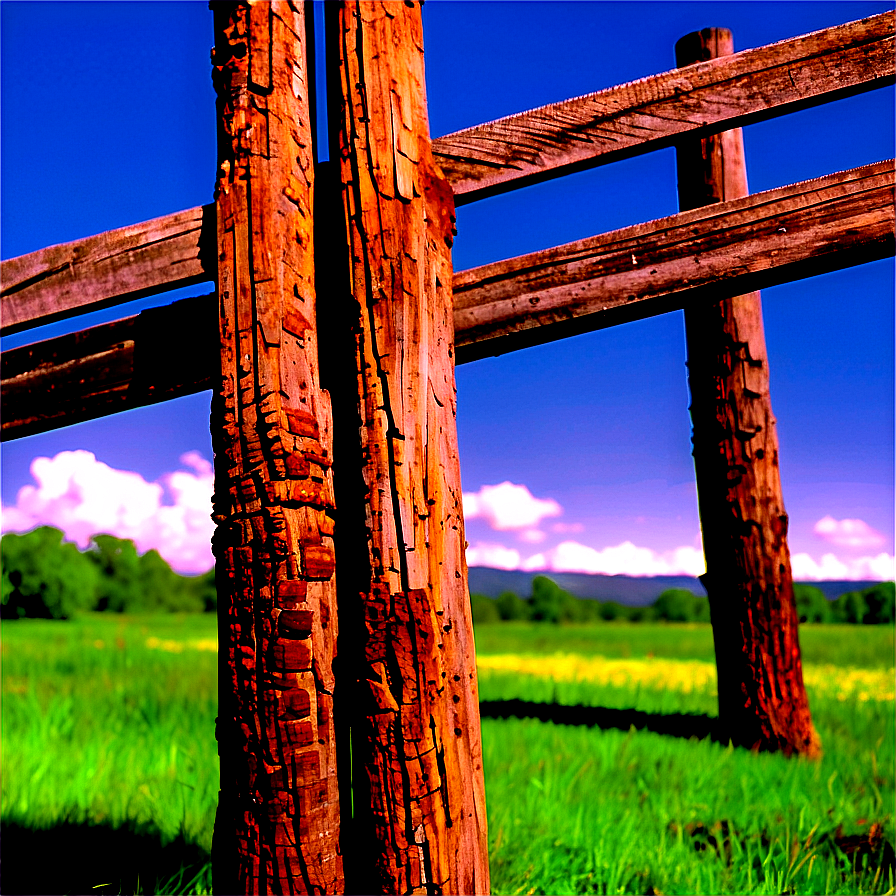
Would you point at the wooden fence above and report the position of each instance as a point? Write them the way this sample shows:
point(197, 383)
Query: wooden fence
point(334, 388)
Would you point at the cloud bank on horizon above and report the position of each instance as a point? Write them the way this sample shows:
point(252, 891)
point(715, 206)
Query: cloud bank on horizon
point(84, 497)
point(512, 508)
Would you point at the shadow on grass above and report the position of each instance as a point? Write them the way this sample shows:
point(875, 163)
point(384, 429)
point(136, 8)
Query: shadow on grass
point(675, 724)
point(78, 858)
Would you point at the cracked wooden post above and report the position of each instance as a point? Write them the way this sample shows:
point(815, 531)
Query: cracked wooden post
point(762, 700)
point(419, 803)
point(277, 828)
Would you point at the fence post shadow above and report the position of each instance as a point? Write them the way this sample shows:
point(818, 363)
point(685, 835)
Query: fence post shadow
point(678, 724)
point(84, 857)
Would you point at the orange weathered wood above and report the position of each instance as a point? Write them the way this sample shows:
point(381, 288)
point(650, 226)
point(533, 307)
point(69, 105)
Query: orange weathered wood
point(278, 823)
point(107, 269)
point(419, 821)
point(713, 252)
point(762, 698)
point(595, 129)
point(706, 97)
point(834, 222)
point(159, 354)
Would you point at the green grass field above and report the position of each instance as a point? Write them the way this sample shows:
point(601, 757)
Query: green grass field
point(110, 765)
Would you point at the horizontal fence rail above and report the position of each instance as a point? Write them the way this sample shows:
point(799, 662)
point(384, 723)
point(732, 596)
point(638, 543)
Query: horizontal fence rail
point(108, 269)
point(699, 99)
point(712, 96)
point(715, 251)
point(161, 353)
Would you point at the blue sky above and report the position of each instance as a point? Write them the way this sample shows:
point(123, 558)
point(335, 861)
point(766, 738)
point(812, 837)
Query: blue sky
point(108, 119)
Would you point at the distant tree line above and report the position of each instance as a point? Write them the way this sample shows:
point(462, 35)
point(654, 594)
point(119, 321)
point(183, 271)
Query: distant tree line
point(550, 603)
point(48, 578)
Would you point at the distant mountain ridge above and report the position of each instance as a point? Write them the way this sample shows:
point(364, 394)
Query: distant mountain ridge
point(633, 591)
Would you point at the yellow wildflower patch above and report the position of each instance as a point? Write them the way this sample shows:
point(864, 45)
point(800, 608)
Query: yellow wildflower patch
point(658, 673)
point(679, 675)
point(844, 683)
point(165, 644)
point(171, 646)
point(207, 644)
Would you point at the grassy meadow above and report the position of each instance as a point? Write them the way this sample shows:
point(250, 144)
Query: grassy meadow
point(602, 774)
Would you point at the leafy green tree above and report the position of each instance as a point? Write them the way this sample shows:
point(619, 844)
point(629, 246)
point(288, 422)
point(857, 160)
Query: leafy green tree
point(680, 605)
point(589, 610)
point(163, 589)
point(642, 614)
point(545, 604)
point(45, 577)
point(881, 602)
point(121, 586)
point(6, 586)
point(484, 609)
point(850, 607)
point(811, 604)
point(511, 606)
point(550, 603)
point(612, 610)
point(701, 608)
point(205, 589)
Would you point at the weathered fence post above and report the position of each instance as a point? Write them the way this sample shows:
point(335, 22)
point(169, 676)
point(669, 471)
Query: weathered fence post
point(277, 829)
point(419, 806)
point(762, 700)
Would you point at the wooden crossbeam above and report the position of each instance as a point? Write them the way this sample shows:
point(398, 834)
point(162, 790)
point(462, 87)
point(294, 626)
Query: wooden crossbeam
point(717, 251)
point(699, 99)
point(107, 269)
point(714, 252)
point(177, 250)
point(158, 354)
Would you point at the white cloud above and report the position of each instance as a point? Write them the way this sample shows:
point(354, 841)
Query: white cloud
point(878, 568)
point(623, 559)
point(571, 556)
point(532, 536)
point(84, 497)
point(495, 556)
point(507, 506)
point(848, 533)
point(628, 559)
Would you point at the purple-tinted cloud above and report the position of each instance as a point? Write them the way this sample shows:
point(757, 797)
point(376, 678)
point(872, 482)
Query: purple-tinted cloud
point(622, 559)
point(508, 507)
point(877, 568)
point(84, 497)
point(848, 533)
point(494, 556)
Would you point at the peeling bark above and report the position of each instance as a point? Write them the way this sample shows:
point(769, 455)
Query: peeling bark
point(419, 801)
point(277, 829)
point(762, 700)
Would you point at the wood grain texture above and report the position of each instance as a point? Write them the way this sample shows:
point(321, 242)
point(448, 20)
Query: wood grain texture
point(595, 129)
point(762, 698)
point(654, 112)
point(107, 269)
point(419, 805)
point(697, 256)
point(706, 253)
point(110, 368)
point(278, 823)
